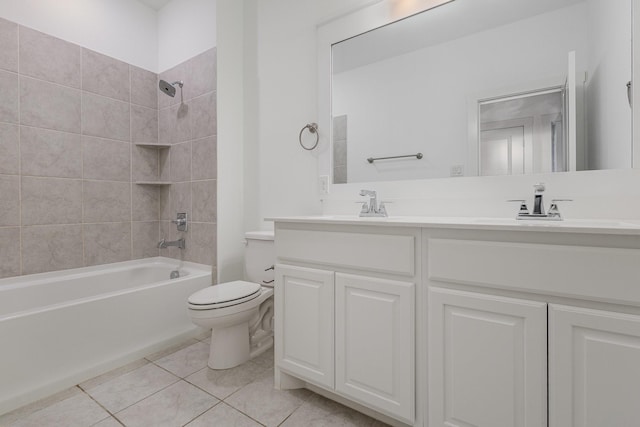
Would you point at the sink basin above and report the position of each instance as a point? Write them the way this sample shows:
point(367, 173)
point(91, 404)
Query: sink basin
point(585, 223)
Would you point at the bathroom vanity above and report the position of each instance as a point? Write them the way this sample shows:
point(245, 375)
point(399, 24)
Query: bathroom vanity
point(462, 322)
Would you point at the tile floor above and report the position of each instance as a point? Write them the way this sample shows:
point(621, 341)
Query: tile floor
point(176, 388)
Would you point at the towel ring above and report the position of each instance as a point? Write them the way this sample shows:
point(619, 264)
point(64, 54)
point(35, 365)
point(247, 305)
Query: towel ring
point(313, 128)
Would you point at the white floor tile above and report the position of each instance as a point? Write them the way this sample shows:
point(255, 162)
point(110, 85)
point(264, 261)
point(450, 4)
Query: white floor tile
point(127, 389)
point(318, 411)
point(265, 404)
point(223, 415)
point(79, 410)
point(222, 383)
point(186, 361)
point(174, 406)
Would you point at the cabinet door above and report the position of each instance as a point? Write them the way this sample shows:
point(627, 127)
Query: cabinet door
point(594, 368)
point(304, 323)
point(487, 360)
point(375, 343)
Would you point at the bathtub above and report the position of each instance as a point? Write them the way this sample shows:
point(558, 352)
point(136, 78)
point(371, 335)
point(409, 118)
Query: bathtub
point(59, 329)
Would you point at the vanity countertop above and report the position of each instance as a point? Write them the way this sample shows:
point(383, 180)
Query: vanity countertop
point(590, 226)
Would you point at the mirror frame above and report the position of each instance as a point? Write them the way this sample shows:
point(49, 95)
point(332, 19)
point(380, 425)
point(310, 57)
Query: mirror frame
point(377, 13)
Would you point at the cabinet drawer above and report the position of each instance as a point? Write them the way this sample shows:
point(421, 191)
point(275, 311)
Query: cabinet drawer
point(385, 253)
point(607, 274)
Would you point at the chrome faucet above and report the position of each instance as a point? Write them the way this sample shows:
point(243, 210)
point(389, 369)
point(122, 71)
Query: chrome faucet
point(538, 206)
point(180, 244)
point(371, 209)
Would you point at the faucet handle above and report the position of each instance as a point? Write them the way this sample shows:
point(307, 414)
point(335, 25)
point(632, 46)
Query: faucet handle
point(539, 187)
point(382, 210)
point(554, 212)
point(524, 210)
point(364, 208)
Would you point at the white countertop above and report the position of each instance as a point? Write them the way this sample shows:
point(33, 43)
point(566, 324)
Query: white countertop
point(590, 226)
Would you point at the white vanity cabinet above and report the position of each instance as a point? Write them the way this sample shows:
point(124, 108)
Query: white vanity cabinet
point(594, 361)
point(489, 360)
point(305, 323)
point(345, 310)
point(497, 298)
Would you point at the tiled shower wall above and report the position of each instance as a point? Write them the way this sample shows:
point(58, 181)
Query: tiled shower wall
point(189, 124)
point(69, 119)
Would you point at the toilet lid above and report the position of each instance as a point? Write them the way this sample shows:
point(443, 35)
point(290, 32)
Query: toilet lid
point(224, 294)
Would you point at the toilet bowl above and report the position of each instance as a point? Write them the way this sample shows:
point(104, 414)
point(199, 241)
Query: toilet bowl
point(240, 313)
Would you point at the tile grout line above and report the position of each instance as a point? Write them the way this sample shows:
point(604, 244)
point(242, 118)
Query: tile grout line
point(20, 227)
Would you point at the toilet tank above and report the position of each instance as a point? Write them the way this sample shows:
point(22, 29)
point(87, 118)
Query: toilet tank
point(259, 256)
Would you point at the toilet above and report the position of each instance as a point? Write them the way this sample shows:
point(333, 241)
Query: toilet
point(240, 313)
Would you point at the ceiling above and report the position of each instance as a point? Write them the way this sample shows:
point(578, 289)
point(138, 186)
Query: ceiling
point(155, 4)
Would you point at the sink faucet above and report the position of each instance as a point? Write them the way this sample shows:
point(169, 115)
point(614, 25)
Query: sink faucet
point(538, 206)
point(372, 209)
point(180, 244)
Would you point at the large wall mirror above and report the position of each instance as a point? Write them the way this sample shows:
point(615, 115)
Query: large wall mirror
point(482, 87)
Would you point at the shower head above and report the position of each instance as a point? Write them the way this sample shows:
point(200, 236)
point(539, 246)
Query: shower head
point(170, 88)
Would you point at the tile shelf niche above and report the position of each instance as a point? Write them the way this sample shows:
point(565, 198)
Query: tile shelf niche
point(153, 145)
point(157, 146)
point(153, 183)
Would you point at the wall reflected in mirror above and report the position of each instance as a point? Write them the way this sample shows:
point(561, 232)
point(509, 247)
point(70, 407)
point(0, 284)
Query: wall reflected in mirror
point(485, 87)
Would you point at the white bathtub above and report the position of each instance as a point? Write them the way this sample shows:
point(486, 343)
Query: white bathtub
point(58, 329)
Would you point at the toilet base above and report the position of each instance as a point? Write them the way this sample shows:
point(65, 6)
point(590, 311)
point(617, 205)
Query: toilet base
point(229, 346)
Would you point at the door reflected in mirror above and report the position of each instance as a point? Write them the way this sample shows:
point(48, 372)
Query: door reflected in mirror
point(485, 87)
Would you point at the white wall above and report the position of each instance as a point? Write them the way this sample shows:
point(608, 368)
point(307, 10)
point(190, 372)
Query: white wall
point(123, 29)
point(609, 123)
point(430, 88)
point(286, 67)
point(186, 28)
point(288, 100)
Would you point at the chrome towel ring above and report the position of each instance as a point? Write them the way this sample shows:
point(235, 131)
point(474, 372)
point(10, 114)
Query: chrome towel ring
point(313, 128)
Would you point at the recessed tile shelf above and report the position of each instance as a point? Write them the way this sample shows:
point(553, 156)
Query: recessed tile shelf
point(152, 145)
point(153, 183)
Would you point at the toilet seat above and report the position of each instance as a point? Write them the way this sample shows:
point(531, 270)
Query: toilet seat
point(224, 295)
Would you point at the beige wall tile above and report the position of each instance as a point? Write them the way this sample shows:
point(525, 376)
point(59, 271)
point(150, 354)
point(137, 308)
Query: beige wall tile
point(51, 201)
point(180, 162)
point(106, 159)
point(48, 105)
point(9, 200)
point(174, 124)
point(105, 76)
point(51, 248)
point(166, 208)
point(146, 236)
point(145, 164)
point(203, 110)
point(146, 202)
point(144, 87)
point(51, 153)
point(144, 124)
point(49, 58)
point(9, 43)
point(203, 74)
point(9, 149)
point(201, 245)
point(10, 90)
point(107, 243)
point(9, 252)
point(106, 201)
point(105, 117)
point(204, 158)
point(181, 198)
point(203, 195)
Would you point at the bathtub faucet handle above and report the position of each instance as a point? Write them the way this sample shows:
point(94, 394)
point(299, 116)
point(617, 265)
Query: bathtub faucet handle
point(181, 221)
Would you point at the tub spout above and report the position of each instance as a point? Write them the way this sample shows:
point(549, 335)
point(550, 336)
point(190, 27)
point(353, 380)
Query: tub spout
point(180, 244)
